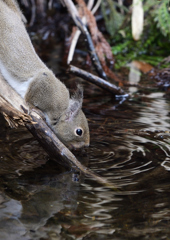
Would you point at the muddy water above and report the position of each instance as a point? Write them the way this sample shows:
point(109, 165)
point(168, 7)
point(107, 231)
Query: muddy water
point(130, 146)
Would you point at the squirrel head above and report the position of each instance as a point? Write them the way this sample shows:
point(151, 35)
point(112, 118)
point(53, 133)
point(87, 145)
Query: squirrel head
point(72, 127)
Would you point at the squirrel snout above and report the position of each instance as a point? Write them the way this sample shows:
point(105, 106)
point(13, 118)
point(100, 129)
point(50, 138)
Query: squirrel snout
point(77, 145)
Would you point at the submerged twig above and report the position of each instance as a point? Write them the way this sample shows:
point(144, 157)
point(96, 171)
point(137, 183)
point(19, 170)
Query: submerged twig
point(96, 80)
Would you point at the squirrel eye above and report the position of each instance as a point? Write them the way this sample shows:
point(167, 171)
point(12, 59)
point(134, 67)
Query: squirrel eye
point(79, 132)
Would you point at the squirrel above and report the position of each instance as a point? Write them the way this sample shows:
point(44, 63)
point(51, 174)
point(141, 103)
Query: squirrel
point(36, 83)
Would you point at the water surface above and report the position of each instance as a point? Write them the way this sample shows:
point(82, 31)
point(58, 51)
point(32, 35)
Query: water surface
point(130, 146)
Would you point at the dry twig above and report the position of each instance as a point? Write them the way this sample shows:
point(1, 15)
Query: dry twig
point(101, 45)
point(33, 10)
point(76, 32)
point(75, 15)
point(96, 80)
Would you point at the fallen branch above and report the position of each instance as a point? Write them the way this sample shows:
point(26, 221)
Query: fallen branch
point(55, 147)
point(96, 80)
point(40, 130)
point(12, 115)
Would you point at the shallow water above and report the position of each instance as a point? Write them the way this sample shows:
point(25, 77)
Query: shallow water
point(130, 147)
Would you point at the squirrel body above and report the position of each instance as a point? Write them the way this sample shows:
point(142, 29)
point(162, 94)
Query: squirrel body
point(36, 83)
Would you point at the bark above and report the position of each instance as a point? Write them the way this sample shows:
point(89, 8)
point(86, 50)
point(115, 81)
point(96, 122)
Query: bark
point(96, 80)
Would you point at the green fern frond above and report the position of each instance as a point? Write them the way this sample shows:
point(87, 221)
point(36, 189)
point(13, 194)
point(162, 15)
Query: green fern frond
point(113, 18)
point(162, 17)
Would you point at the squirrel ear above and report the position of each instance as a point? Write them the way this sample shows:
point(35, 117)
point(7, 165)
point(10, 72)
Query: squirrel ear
point(75, 103)
point(78, 95)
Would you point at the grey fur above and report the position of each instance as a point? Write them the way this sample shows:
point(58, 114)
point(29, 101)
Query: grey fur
point(30, 77)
